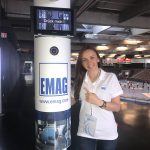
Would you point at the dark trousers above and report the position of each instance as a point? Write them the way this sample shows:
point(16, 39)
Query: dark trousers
point(92, 144)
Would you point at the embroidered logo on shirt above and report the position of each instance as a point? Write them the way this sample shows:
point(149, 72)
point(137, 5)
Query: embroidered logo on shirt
point(103, 88)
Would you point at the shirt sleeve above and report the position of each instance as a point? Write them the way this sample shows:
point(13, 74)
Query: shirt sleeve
point(115, 89)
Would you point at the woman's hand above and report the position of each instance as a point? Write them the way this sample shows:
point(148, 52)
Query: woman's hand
point(92, 98)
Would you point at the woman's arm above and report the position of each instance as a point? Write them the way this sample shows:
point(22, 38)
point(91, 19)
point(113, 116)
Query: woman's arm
point(114, 105)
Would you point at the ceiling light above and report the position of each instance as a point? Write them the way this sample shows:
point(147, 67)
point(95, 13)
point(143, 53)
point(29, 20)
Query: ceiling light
point(72, 59)
point(132, 41)
point(122, 48)
point(75, 54)
point(102, 47)
point(111, 55)
point(101, 55)
point(137, 56)
point(140, 49)
point(91, 36)
point(146, 55)
point(122, 56)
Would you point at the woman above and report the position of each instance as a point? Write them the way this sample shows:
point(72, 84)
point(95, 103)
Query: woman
point(99, 93)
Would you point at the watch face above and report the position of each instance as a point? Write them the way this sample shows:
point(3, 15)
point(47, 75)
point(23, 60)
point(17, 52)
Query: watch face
point(54, 50)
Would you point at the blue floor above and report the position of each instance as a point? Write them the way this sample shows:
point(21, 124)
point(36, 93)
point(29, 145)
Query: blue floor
point(17, 131)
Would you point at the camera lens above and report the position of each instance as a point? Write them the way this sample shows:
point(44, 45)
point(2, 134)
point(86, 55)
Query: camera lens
point(54, 50)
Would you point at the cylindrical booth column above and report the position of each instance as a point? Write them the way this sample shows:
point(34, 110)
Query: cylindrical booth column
point(52, 87)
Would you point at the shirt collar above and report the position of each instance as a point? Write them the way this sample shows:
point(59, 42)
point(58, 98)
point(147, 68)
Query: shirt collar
point(102, 74)
point(101, 77)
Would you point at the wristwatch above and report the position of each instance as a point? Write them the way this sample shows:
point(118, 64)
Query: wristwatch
point(103, 105)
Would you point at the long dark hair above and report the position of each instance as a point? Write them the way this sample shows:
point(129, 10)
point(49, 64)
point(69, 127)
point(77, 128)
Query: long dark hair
point(80, 71)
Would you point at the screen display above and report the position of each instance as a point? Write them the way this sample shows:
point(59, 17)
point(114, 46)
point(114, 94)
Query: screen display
point(50, 20)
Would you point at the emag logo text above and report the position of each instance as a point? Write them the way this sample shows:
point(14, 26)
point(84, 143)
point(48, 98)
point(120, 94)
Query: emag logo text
point(53, 86)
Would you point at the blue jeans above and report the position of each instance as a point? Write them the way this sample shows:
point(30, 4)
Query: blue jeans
point(93, 144)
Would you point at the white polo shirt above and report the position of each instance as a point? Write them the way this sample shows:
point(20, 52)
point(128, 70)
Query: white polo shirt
point(105, 87)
